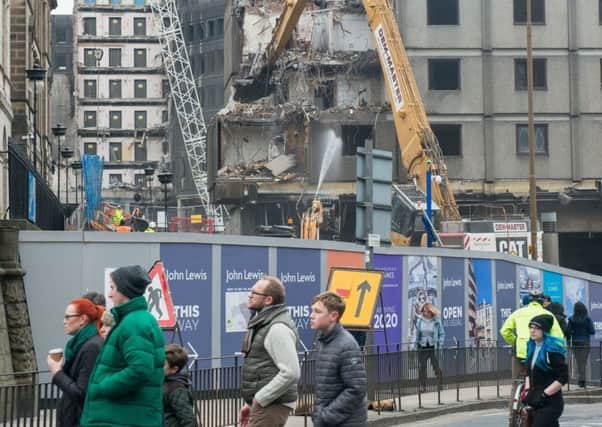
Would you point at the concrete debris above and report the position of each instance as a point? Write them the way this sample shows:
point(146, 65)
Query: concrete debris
point(259, 169)
point(281, 164)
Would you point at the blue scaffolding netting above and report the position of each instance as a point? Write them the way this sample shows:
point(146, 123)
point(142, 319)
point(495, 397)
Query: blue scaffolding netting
point(93, 166)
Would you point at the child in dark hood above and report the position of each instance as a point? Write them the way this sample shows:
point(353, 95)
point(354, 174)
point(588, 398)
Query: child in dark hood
point(177, 398)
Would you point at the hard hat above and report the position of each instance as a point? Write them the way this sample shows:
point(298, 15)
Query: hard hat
point(152, 224)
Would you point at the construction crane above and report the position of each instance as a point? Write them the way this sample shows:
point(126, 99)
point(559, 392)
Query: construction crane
point(186, 103)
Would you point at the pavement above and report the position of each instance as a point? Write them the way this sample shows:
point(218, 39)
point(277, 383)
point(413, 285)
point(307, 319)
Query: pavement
point(489, 406)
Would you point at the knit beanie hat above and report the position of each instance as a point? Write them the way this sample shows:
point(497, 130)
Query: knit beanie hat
point(131, 281)
point(543, 322)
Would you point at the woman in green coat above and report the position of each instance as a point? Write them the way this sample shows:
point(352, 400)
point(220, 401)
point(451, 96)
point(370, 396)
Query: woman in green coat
point(126, 387)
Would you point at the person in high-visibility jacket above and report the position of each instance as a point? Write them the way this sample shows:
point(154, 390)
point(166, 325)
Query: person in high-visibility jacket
point(117, 215)
point(515, 330)
point(151, 227)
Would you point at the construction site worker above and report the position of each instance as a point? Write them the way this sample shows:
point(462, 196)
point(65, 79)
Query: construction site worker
point(117, 215)
point(515, 331)
point(151, 227)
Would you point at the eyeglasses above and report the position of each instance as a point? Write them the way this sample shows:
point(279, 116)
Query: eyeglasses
point(69, 316)
point(258, 293)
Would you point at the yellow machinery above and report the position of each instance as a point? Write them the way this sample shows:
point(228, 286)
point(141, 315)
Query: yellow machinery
point(418, 145)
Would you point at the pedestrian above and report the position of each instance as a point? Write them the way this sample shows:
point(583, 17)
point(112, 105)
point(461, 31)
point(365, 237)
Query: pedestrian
point(108, 321)
point(430, 337)
point(151, 227)
point(547, 372)
point(547, 300)
point(579, 330)
point(515, 331)
point(72, 373)
point(558, 311)
point(126, 388)
point(96, 297)
point(270, 371)
point(177, 397)
point(340, 375)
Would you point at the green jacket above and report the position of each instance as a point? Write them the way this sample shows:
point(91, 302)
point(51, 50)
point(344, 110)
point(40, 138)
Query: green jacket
point(126, 387)
point(515, 329)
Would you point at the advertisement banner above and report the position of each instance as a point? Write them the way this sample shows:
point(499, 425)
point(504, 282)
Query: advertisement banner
point(31, 197)
point(188, 272)
point(423, 275)
point(513, 245)
point(552, 286)
point(574, 290)
point(241, 267)
point(529, 281)
point(595, 310)
point(505, 286)
point(482, 330)
point(299, 271)
point(452, 301)
point(391, 265)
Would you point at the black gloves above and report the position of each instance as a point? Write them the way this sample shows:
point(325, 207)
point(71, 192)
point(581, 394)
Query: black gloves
point(536, 399)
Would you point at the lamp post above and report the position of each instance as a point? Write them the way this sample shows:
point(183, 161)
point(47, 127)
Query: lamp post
point(58, 130)
point(165, 177)
point(35, 74)
point(531, 137)
point(66, 153)
point(149, 171)
point(76, 166)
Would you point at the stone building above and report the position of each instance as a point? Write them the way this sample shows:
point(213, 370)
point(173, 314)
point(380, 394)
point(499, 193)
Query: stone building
point(6, 111)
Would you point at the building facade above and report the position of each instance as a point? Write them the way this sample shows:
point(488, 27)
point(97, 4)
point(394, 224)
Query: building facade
point(6, 111)
point(121, 91)
point(469, 61)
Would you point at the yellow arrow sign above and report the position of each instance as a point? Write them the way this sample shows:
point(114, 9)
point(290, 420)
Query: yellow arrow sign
point(360, 290)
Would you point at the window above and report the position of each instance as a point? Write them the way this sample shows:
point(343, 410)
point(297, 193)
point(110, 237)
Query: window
point(114, 89)
point(115, 57)
point(89, 26)
point(90, 1)
point(220, 60)
point(140, 151)
point(211, 28)
point(114, 26)
point(538, 11)
point(164, 116)
point(139, 88)
point(444, 74)
point(115, 119)
point(165, 89)
point(89, 58)
point(115, 179)
point(139, 2)
point(450, 138)
point(220, 27)
point(139, 57)
point(115, 152)
point(139, 26)
point(90, 148)
point(90, 119)
point(115, 2)
point(539, 74)
point(202, 30)
point(355, 136)
point(60, 61)
point(140, 119)
point(89, 88)
point(140, 180)
point(541, 139)
point(442, 12)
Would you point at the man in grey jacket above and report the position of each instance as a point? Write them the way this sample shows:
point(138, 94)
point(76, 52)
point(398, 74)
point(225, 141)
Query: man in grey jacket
point(340, 383)
point(271, 370)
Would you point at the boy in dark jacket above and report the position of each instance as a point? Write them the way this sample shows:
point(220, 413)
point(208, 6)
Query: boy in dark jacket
point(177, 398)
point(340, 381)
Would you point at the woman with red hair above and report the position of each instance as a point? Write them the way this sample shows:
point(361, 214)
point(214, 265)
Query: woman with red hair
point(72, 372)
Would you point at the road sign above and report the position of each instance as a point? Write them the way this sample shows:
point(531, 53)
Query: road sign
point(158, 297)
point(360, 290)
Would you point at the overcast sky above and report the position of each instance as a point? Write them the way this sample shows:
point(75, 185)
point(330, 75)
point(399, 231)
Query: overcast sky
point(65, 7)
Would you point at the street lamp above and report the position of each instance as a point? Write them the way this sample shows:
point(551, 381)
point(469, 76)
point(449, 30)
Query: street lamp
point(35, 74)
point(165, 177)
point(149, 171)
point(58, 130)
point(66, 153)
point(77, 165)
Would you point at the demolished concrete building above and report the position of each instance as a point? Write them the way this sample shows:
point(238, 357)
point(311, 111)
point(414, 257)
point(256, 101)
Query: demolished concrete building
point(326, 92)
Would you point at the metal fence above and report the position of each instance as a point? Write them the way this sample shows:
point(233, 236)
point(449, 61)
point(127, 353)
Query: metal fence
point(393, 376)
point(30, 197)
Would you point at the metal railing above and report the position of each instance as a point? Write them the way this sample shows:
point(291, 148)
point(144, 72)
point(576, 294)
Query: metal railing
point(394, 377)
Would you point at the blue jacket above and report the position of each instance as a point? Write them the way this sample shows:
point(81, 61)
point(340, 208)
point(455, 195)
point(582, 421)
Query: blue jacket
point(579, 330)
point(438, 336)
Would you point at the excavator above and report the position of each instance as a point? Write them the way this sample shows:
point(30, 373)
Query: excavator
point(420, 151)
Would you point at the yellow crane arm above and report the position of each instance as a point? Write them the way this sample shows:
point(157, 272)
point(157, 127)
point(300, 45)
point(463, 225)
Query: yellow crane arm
point(416, 140)
point(283, 30)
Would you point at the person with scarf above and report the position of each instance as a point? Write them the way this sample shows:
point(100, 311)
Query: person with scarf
point(547, 372)
point(270, 369)
point(71, 374)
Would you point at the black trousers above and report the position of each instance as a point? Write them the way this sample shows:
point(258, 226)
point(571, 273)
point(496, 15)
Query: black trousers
point(424, 355)
point(581, 355)
point(548, 415)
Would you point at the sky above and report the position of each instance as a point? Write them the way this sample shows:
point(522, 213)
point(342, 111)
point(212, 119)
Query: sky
point(65, 7)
